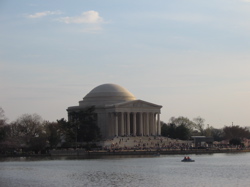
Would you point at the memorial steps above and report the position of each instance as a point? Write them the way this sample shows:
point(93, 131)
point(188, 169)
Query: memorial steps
point(139, 142)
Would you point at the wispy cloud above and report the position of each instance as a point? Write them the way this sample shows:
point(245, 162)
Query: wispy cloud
point(43, 14)
point(86, 17)
point(246, 1)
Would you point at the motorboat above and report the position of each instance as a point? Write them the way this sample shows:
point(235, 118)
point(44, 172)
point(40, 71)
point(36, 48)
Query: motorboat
point(187, 159)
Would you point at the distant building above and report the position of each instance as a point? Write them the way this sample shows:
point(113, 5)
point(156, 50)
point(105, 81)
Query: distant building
point(200, 141)
point(119, 113)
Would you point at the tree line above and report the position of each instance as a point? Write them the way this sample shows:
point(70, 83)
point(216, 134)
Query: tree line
point(30, 132)
point(183, 128)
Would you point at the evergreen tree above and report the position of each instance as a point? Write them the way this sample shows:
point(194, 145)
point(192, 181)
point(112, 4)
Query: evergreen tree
point(85, 124)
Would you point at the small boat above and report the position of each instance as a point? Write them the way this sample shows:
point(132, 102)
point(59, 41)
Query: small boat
point(187, 159)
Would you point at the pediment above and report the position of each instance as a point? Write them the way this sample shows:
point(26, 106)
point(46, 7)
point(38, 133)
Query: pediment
point(136, 104)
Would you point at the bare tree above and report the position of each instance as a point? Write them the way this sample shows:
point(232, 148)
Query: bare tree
point(6, 142)
point(235, 132)
point(26, 128)
point(182, 121)
point(199, 125)
point(3, 127)
point(3, 119)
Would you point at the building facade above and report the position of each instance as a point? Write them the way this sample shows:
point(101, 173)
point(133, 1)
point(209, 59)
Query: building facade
point(119, 113)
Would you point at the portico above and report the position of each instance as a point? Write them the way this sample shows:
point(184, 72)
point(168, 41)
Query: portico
point(129, 119)
point(135, 123)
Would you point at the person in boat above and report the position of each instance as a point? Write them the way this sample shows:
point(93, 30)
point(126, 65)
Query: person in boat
point(187, 159)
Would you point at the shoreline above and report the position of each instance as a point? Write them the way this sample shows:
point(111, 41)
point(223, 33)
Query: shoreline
point(80, 153)
point(166, 152)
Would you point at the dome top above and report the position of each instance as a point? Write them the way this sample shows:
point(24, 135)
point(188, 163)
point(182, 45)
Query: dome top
point(112, 89)
point(107, 94)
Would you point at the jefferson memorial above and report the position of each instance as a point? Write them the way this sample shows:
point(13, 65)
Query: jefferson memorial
point(119, 113)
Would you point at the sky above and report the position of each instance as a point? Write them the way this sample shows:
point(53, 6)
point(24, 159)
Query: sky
point(190, 56)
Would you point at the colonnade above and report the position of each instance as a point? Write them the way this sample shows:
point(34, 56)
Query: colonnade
point(134, 123)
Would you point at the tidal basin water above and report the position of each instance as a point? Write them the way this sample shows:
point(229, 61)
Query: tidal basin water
point(145, 171)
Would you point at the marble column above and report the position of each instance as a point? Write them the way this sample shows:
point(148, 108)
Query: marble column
point(152, 124)
point(158, 124)
point(116, 124)
point(141, 124)
point(144, 123)
point(122, 124)
point(128, 123)
point(134, 123)
point(147, 123)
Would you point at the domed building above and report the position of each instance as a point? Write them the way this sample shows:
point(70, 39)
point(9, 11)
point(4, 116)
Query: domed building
point(119, 113)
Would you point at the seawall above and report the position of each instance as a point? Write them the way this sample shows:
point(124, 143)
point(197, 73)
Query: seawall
point(143, 152)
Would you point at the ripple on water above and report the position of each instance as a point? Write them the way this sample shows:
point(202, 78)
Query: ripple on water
point(101, 178)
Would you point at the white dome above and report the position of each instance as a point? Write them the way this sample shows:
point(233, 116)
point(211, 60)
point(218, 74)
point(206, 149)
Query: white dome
point(106, 94)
